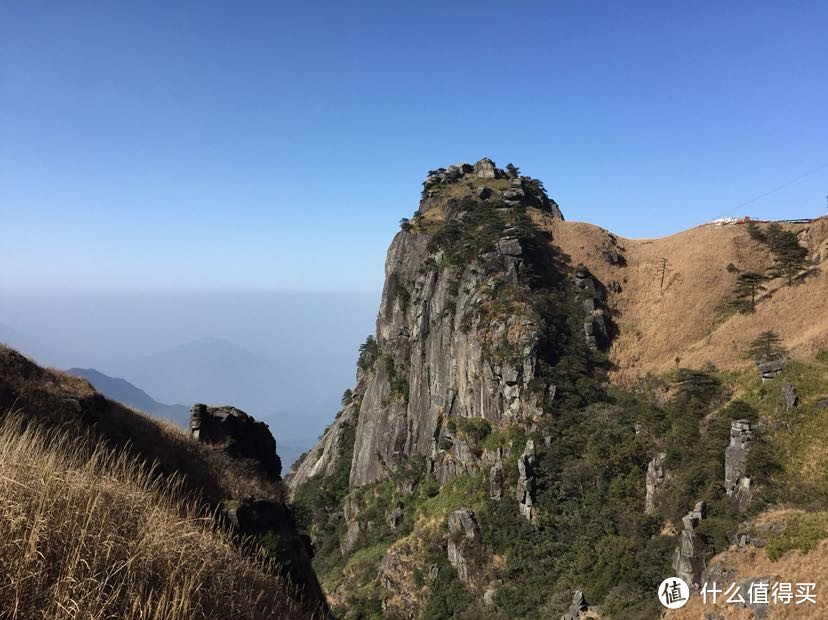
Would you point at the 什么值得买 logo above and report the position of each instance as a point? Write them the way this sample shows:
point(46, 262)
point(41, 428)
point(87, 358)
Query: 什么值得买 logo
point(673, 593)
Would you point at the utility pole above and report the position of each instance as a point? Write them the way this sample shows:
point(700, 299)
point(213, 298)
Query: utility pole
point(663, 268)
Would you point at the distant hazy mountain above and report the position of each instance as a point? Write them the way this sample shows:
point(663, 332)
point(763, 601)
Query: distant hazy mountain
point(208, 370)
point(124, 392)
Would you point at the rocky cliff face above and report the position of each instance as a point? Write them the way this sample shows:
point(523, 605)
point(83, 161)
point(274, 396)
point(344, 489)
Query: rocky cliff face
point(457, 333)
point(483, 465)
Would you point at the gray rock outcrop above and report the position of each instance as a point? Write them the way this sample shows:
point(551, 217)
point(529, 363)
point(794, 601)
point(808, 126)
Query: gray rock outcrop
point(690, 557)
point(789, 394)
point(239, 434)
point(438, 357)
point(577, 608)
point(770, 368)
point(655, 481)
point(736, 482)
point(496, 481)
point(525, 490)
point(588, 295)
point(485, 169)
point(350, 510)
point(463, 541)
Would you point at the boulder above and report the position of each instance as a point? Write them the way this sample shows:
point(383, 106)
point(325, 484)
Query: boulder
point(770, 368)
point(485, 169)
point(239, 434)
point(484, 193)
point(789, 394)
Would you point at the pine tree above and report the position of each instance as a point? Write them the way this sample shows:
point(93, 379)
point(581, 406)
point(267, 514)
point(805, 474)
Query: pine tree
point(767, 346)
point(755, 232)
point(773, 234)
point(748, 285)
point(789, 257)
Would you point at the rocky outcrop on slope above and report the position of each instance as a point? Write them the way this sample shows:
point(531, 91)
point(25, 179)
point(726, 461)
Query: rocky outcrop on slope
point(690, 558)
point(657, 477)
point(589, 295)
point(577, 608)
point(736, 482)
point(239, 434)
point(525, 491)
point(463, 542)
point(790, 396)
point(770, 368)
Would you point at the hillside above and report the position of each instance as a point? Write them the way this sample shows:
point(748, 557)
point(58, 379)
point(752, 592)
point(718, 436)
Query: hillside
point(124, 392)
point(686, 318)
point(540, 428)
point(128, 516)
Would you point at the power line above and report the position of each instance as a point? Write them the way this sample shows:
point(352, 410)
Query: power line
point(784, 185)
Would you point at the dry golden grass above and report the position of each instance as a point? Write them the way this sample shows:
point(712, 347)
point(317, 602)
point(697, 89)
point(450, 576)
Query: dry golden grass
point(657, 326)
point(87, 532)
point(42, 393)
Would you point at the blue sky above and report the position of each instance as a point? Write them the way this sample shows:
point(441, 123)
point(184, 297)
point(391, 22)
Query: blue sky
point(158, 145)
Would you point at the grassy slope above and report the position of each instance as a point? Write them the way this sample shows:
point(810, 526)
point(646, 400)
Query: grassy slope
point(87, 528)
point(685, 319)
point(88, 532)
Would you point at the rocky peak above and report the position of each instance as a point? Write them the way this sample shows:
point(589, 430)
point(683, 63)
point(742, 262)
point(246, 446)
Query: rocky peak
point(458, 335)
point(486, 182)
point(238, 433)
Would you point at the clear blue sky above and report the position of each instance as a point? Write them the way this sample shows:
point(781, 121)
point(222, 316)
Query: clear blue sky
point(276, 145)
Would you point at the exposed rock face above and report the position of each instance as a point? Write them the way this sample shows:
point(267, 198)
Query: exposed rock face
point(525, 491)
point(656, 479)
point(496, 481)
point(447, 346)
point(578, 607)
point(789, 394)
point(464, 539)
point(351, 510)
point(737, 483)
point(429, 368)
point(769, 369)
point(690, 558)
point(240, 434)
point(485, 169)
point(588, 295)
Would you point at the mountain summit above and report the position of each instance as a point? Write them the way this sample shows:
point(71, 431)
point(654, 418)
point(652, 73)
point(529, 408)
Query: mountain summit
point(466, 306)
point(540, 407)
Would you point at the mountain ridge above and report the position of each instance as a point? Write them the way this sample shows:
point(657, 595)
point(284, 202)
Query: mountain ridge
point(528, 380)
point(123, 391)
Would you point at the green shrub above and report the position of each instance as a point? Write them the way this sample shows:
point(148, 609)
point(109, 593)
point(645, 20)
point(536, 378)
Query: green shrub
point(802, 532)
